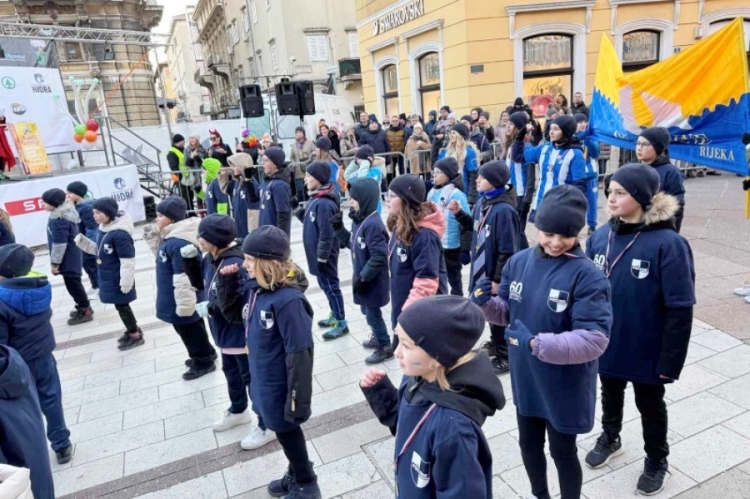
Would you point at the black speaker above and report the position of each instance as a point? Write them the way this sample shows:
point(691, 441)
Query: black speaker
point(252, 100)
point(149, 205)
point(307, 97)
point(287, 99)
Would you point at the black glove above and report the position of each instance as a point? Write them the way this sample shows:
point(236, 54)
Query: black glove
point(361, 287)
point(322, 266)
point(746, 184)
point(522, 133)
point(294, 203)
point(197, 189)
point(249, 172)
point(336, 221)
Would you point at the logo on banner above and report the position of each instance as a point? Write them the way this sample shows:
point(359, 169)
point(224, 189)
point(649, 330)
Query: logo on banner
point(24, 206)
point(557, 301)
point(38, 78)
point(639, 268)
point(123, 193)
point(120, 183)
point(18, 109)
point(8, 83)
point(40, 88)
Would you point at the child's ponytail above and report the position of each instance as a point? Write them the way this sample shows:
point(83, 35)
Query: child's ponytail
point(442, 371)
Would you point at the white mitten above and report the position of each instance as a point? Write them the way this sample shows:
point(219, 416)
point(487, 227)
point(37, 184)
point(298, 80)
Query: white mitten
point(189, 251)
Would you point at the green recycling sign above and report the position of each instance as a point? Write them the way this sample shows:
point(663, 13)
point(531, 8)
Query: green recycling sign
point(8, 83)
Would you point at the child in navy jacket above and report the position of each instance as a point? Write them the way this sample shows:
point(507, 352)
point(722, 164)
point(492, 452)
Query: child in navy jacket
point(591, 153)
point(217, 238)
point(278, 321)
point(445, 397)
point(172, 239)
point(558, 306)
point(368, 242)
point(114, 252)
point(497, 237)
point(244, 208)
point(25, 314)
point(275, 192)
point(415, 251)
point(321, 246)
point(522, 174)
point(650, 268)
point(88, 227)
point(65, 257)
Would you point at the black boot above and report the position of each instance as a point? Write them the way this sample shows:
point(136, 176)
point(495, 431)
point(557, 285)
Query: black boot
point(381, 354)
point(133, 340)
point(82, 315)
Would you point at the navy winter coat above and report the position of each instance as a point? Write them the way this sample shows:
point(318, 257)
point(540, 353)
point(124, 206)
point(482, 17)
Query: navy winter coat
point(87, 226)
point(22, 439)
point(6, 235)
point(115, 258)
point(225, 333)
point(25, 315)
point(62, 229)
point(275, 209)
point(240, 204)
point(318, 237)
point(377, 140)
point(216, 200)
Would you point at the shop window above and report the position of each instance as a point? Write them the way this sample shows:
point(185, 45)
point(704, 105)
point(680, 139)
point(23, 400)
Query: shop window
point(390, 90)
point(429, 82)
point(640, 49)
point(547, 70)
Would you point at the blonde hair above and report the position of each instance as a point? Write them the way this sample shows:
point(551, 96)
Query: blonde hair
point(272, 274)
point(441, 376)
point(457, 150)
point(5, 217)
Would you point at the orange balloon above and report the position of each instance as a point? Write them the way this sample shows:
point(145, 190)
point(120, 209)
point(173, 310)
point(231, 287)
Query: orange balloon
point(78, 138)
point(90, 136)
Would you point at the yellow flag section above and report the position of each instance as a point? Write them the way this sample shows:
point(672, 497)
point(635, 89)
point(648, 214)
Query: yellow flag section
point(700, 95)
point(30, 148)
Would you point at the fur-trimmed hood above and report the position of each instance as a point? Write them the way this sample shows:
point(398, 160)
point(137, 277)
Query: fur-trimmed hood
point(122, 222)
point(659, 215)
point(66, 211)
point(184, 229)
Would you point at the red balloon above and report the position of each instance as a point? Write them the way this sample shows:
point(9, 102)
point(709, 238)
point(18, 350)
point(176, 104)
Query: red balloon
point(78, 138)
point(90, 136)
point(92, 125)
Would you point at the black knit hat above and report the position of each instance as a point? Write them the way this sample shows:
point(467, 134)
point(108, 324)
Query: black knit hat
point(467, 118)
point(410, 188)
point(78, 188)
point(173, 207)
point(658, 137)
point(432, 113)
point(580, 118)
point(320, 171)
point(518, 102)
point(54, 197)
point(496, 173)
point(562, 211)
point(108, 206)
point(177, 138)
point(16, 260)
point(446, 327)
point(641, 181)
point(267, 242)
point(324, 144)
point(567, 124)
point(461, 129)
point(219, 230)
point(276, 156)
point(449, 166)
point(519, 119)
point(365, 152)
point(372, 117)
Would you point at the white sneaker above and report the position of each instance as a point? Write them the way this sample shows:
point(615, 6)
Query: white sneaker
point(747, 299)
point(743, 291)
point(229, 420)
point(257, 439)
point(95, 291)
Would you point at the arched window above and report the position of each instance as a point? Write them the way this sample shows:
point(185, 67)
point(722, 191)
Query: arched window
point(547, 70)
point(429, 82)
point(640, 49)
point(390, 90)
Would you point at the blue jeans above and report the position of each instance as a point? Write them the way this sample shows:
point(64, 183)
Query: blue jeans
point(47, 379)
point(592, 196)
point(375, 320)
point(332, 289)
point(237, 372)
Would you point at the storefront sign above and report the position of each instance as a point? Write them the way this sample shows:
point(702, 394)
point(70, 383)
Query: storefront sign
point(398, 17)
point(30, 148)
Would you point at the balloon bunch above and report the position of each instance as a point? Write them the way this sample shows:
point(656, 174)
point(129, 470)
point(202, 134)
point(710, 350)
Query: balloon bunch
point(86, 131)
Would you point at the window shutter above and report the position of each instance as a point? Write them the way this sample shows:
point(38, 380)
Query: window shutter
point(353, 45)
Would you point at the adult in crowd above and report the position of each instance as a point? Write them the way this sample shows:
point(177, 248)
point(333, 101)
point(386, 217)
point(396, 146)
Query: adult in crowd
point(325, 131)
point(362, 126)
point(376, 138)
point(195, 153)
point(483, 124)
point(396, 139)
point(301, 152)
point(183, 181)
point(349, 142)
point(419, 163)
point(249, 145)
point(218, 149)
point(429, 127)
point(578, 105)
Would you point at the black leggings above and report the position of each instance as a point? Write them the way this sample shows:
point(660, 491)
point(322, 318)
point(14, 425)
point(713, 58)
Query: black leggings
point(195, 338)
point(453, 266)
point(295, 450)
point(563, 449)
point(76, 290)
point(127, 317)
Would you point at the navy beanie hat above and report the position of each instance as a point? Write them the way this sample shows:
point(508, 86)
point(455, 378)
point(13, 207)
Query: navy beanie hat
point(78, 188)
point(276, 156)
point(219, 230)
point(320, 171)
point(519, 119)
point(496, 173)
point(173, 207)
point(365, 152)
point(580, 118)
point(461, 129)
point(562, 211)
point(467, 118)
point(446, 327)
point(449, 166)
point(410, 188)
point(641, 181)
point(567, 124)
point(658, 137)
point(54, 197)
point(108, 206)
point(267, 242)
point(177, 138)
point(372, 118)
point(323, 143)
point(433, 113)
point(16, 260)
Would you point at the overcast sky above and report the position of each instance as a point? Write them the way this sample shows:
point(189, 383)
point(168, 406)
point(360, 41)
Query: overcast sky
point(171, 8)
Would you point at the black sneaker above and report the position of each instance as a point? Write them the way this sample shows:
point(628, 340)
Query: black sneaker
point(370, 342)
point(603, 451)
point(191, 362)
point(194, 373)
point(280, 488)
point(381, 354)
point(124, 337)
point(309, 491)
point(328, 322)
point(83, 315)
point(488, 347)
point(653, 478)
point(64, 455)
point(500, 366)
point(132, 341)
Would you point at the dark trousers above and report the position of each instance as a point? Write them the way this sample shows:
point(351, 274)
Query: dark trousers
point(376, 322)
point(237, 372)
point(497, 335)
point(127, 317)
point(523, 213)
point(301, 193)
point(332, 289)
point(453, 266)
point(563, 449)
point(89, 266)
point(195, 339)
point(650, 402)
point(47, 380)
point(295, 450)
point(76, 290)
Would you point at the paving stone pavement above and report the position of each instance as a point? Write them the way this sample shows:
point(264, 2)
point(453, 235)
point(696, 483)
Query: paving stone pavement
point(141, 431)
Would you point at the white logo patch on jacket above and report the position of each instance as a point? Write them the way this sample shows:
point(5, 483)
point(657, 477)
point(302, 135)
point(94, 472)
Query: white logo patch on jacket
point(361, 242)
point(516, 288)
point(420, 470)
point(312, 216)
point(108, 249)
point(599, 261)
point(266, 319)
point(162, 256)
point(557, 301)
point(639, 268)
point(402, 255)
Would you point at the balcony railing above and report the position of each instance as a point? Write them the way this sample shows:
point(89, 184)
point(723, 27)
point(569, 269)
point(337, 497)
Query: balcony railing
point(350, 68)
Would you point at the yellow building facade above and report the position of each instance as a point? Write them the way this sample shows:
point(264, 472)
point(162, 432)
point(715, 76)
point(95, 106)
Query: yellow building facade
point(417, 55)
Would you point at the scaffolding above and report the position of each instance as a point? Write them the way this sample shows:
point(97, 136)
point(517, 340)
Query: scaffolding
point(84, 35)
